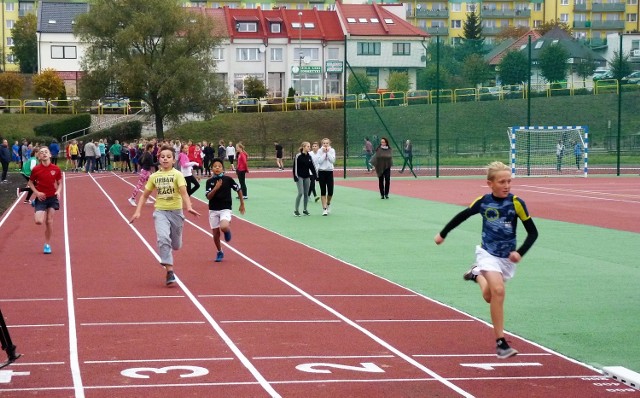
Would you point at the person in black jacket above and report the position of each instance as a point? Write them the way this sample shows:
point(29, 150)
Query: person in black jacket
point(303, 170)
point(5, 159)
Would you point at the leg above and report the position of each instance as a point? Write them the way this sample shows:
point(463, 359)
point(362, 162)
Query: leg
point(387, 182)
point(381, 185)
point(300, 186)
point(48, 229)
point(305, 190)
point(163, 238)
point(493, 291)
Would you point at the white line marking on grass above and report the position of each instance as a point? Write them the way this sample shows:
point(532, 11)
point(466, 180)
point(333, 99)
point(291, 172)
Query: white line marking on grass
point(350, 322)
point(243, 359)
point(74, 361)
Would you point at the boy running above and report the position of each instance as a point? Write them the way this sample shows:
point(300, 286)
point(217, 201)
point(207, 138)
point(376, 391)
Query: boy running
point(168, 216)
point(496, 258)
point(46, 182)
point(218, 191)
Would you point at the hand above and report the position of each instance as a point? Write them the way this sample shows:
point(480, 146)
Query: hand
point(134, 217)
point(193, 211)
point(438, 239)
point(241, 208)
point(515, 257)
point(295, 179)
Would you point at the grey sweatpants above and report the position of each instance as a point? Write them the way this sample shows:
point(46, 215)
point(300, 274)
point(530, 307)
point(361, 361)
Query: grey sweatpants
point(169, 225)
point(303, 191)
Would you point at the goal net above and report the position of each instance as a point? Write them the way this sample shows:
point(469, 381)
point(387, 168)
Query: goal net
point(549, 150)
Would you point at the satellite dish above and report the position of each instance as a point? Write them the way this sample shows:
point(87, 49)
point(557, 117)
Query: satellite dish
point(262, 48)
point(306, 59)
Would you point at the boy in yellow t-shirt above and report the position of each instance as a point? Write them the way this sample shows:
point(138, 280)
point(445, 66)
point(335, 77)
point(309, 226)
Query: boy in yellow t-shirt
point(171, 190)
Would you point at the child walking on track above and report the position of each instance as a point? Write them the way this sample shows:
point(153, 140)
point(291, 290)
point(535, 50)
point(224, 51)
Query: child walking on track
point(46, 182)
point(497, 256)
point(218, 191)
point(168, 216)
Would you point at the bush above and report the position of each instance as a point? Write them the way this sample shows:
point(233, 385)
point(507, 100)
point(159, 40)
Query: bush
point(60, 128)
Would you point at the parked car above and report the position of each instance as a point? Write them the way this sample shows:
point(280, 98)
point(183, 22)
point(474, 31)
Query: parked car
point(602, 74)
point(111, 105)
point(633, 78)
point(38, 106)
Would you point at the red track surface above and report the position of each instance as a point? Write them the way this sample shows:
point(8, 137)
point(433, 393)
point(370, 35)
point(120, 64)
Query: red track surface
point(95, 320)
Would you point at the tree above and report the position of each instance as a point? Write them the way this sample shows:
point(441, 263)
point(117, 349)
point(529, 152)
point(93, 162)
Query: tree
point(48, 85)
point(513, 68)
point(358, 83)
point(427, 78)
point(398, 81)
point(254, 87)
point(475, 70)
point(11, 85)
point(585, 68)
point(545, 27)
point(154, 50)
point(620, 66)
point(553, 63)
point(25, 43)
point(472, 40)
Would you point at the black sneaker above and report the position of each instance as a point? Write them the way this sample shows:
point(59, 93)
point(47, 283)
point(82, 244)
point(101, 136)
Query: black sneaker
point(171, 278)
point(469, 275)
point(306, 213)
point(504, 353)
point(296, 213)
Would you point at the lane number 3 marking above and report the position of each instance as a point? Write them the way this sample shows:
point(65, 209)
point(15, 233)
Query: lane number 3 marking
point(369, 367)
point(186, 371)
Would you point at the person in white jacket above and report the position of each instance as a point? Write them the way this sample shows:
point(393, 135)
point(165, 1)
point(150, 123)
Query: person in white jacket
point(186, 168)
point(231, 154)
point(325, 159)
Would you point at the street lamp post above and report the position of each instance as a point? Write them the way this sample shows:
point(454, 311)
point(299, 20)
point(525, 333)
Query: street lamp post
point(300, 54)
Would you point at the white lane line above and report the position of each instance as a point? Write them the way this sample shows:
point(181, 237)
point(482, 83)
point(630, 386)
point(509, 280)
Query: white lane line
point(50, 325)
point(143, 323)
point(8, 212)
point(162, 360)
point(243, 359)
point(582, 191)
point(368, 295)
point(251, 295)
point(579, 196)
point(411, 320)
point(128, 297)
point(29, 300)
point(520, 354)
point(345, 319)
point(326, 357)
point(74, 362)
point(287, 321)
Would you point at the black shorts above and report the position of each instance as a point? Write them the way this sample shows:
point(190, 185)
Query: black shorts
point(49, 203)
point(74, 157)
point(116, 158)
point(231, 158)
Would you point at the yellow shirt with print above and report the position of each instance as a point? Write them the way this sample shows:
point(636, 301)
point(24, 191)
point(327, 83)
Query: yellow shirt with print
point(168, 184)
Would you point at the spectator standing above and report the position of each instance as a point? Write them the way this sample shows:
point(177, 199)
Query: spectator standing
point(145, 163)
point(231, 154)
point(209, 154)
point(90, 150)
point(5, 159)
point(559, 155)
point(326, 158)
point(242, 169)
point(116, 151)
point(303, 170)
point(222, 150)
point(577, 151)
point(279, 151)
point(312, 180)
point(218, 190)
point(382, 161)
point(46, 182)
point(407, 150)
point(368, 152)
point(54, 148)
point(168, 216)
point(75, 154)
point(15, 152)
point(26, 173)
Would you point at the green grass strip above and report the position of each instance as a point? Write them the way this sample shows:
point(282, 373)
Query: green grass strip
point(575, 292)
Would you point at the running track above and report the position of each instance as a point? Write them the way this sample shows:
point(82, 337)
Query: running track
point(276, 318)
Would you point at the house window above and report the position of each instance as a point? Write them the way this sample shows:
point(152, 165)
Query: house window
point(312, 53)
point(333, 53)
point(456, 7)
point(218, 54)
point(10, 6)
point(247, 54)
point(11, 58)
point(275, 28)
point(373, 75)
point(401, 48)
point(564, 17)
point(63, 52)
point(537, 23)
point(630, 2)
point(10, 23)
point(632, 17)
point(537, 6)
point(9, 41)
point(564, 2)
point(247, 27)
point(368, 48)
point(456, 23)
point(471, 7)
point(276, 54)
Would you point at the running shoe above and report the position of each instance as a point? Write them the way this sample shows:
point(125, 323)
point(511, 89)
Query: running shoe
point(325, 212)
point(227, 235)
point(171, 278)
point(47, 248)
point(469, 275)
point(132, 201)
point(296, 213)
point(219, 256)
point(504, 353)
point(328, 209)
point(306, 213)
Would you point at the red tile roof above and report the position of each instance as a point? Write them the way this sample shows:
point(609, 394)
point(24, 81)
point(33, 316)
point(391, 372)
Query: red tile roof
point(374, 20)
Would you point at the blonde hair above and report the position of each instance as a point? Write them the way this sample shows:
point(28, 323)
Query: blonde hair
point(303, 144)
point(494, 168)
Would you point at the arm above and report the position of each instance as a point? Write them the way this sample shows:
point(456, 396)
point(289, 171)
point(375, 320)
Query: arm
point(455, 221)
point(141, 202)
point(532, 235)
point(215, 189)
point(185, 199)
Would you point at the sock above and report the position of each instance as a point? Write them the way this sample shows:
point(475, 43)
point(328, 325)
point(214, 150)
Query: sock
point(502, 343)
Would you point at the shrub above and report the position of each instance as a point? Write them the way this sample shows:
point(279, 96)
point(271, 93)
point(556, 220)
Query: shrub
point(68, 125)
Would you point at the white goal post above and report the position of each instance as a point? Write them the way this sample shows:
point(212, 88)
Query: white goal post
point(549, 150)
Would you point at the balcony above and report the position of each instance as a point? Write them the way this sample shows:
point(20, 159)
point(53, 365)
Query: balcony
point(422, 13)
point(582, 24)
point(608, 7)
point(580, 8)
point(485, 13)
point(435, 31)
point(607, 25)
point(492, 31)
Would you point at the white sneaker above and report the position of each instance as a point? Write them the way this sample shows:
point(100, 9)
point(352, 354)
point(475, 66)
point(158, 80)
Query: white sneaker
point(132, 201)
point(329, 209)
point(325, 212)
point(149, 202)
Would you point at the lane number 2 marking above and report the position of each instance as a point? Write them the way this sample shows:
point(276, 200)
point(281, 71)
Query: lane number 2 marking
point(369, 367)
point(186, 371)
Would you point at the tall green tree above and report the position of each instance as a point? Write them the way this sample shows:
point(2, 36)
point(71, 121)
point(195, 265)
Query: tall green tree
point(427, 78)
point(25, 43)
point(513, 68)
point(585, 68)
point(620, 66)
point(254, 87)
point(154, 50)
point(553, 63)
point(472, 40)
point(475, 70)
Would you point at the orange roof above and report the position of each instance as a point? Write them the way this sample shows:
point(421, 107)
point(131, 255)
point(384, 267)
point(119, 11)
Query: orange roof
point(376, 20)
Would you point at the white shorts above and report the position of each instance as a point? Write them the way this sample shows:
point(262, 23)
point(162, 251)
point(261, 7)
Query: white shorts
point(489, 262)
point(215, 216)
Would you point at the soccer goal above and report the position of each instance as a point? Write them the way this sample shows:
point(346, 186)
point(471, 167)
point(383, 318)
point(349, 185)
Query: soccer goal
point(549, 150)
